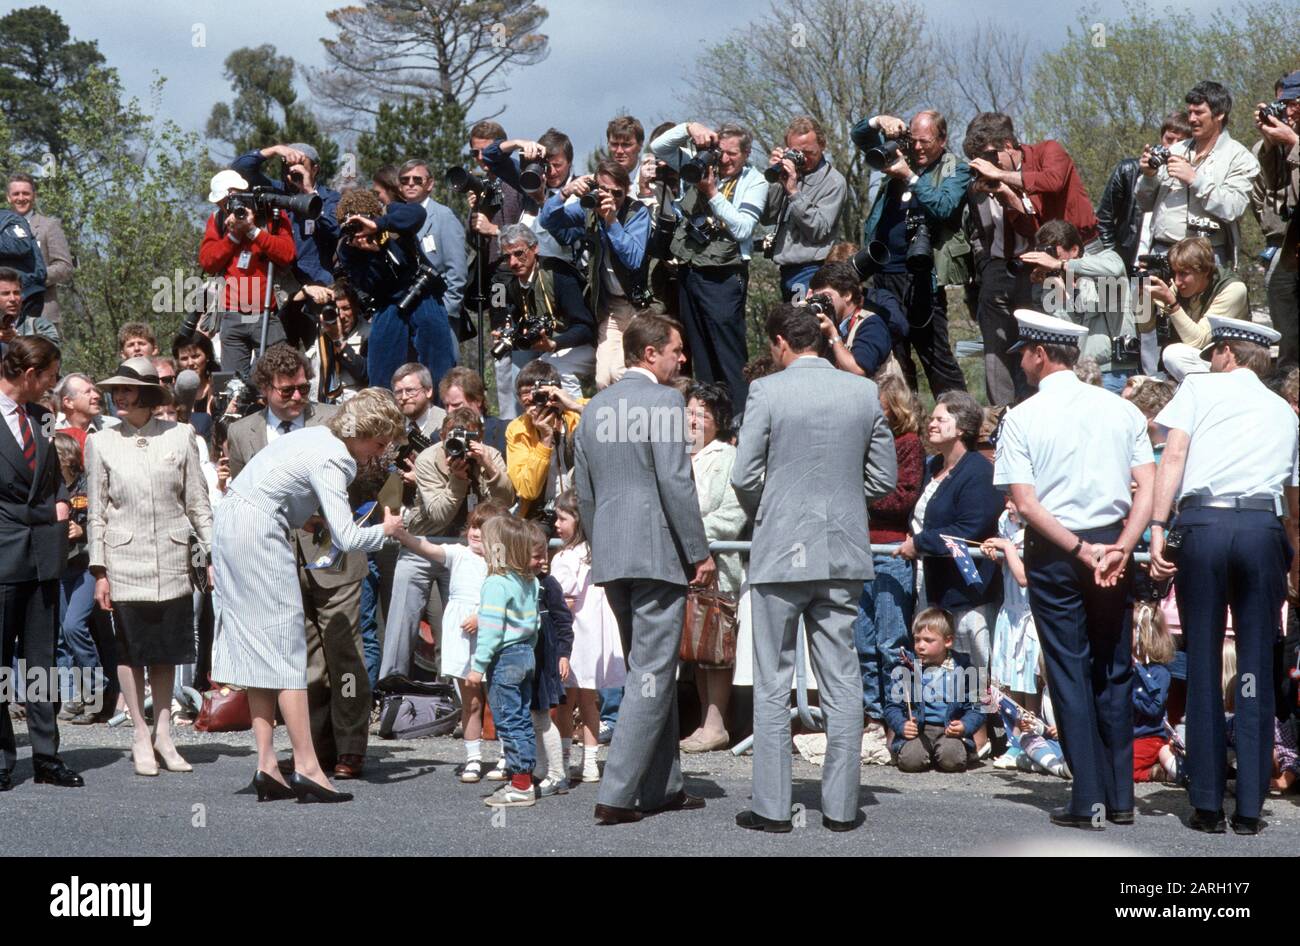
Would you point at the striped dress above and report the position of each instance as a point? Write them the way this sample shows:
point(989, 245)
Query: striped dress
point(260, 636)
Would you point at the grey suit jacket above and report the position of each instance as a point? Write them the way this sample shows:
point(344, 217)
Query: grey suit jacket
point(58, 260)
point(247, 436)
point(814, 450)
point(632, 474)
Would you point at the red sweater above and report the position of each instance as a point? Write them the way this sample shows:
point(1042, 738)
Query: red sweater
point(889, 516)
point(245, 288)
point(1056, 190)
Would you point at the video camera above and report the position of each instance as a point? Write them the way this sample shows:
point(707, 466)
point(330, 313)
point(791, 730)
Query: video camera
point(776, 171)
point(487, 192)
point(261, 202)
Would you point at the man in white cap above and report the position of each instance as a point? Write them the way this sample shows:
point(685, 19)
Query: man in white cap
point(1231, 459)
point(241, 251)
point(1069, 455)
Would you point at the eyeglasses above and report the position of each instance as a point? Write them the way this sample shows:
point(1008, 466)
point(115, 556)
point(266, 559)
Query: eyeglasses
point(412, 179)
point(404, 394)
point(286, 390)
point(167, 379)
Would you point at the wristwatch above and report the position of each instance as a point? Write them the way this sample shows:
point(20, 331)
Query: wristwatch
point(1077, 549)
point(1158, 522)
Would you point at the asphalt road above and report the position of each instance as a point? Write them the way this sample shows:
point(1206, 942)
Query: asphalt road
point(410, 803)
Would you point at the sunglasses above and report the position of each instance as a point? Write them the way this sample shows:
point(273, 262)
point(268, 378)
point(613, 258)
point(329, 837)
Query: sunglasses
point(167, 379)
point(286, 391)
point(412, 179)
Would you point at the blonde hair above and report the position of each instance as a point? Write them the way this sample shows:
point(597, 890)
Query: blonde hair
point(507, 545)
point(1152, 643)
point(371, 413)
point(1194, 253)
point(1228, 679)
point(934, 619)
point(900, 405)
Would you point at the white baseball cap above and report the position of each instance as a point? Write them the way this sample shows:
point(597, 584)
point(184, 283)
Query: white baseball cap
point(223, 182)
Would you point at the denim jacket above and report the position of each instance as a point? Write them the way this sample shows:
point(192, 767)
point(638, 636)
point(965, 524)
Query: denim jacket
point(943, 696)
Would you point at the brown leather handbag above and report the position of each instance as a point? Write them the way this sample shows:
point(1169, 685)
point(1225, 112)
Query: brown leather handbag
point(709, 631)
point(225, 709)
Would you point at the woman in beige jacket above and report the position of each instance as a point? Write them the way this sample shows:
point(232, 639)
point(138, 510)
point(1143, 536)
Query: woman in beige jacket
point(147, 495)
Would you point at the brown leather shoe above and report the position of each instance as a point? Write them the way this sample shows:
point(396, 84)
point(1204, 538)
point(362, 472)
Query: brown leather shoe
point(679, 802)
point(349, 766)
point(608, 814)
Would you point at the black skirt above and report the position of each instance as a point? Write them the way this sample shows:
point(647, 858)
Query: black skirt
point(155, 632)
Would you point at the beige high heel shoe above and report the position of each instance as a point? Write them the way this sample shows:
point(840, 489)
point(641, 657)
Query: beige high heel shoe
point(147, 767)
point(173, 763)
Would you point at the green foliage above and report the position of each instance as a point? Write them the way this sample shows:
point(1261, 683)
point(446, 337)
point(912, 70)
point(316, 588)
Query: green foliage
point(429, 129)
point(266, 110)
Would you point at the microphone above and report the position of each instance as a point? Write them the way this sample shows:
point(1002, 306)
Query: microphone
point(186, 388)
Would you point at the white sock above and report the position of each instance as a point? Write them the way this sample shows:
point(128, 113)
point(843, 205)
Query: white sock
point(589, 756)
point(473, 750)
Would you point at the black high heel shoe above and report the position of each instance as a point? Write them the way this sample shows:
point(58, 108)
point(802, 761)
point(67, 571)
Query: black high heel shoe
point(309, 791)
point(269, 789)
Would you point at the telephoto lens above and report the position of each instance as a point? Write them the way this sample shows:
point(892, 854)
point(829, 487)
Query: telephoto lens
point(694, 169)
point(871, 259)
point(532, 176)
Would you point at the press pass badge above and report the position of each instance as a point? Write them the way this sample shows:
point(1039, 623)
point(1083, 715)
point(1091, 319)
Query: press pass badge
point(308, 227)
point(427, 244)
point(245, 258)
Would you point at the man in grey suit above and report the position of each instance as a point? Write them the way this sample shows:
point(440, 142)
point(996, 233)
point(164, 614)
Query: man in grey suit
point(338, 689)
point(441, 238)
point(59, 266)
point(813, 451)
point(639, 508)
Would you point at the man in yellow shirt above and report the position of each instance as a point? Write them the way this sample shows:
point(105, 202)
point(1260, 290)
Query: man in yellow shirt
point(539, 442)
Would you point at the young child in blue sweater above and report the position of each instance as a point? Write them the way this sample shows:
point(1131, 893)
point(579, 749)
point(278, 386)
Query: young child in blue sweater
point(507, 632)
point(933, 717)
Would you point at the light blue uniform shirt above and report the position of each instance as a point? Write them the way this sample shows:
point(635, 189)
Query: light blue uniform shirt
point(1243, 437)
point(1076, 444)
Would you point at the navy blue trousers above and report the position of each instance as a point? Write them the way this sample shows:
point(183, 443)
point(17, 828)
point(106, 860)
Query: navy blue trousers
point(1086, 635)
point(712, 310)
point(424, 333)
point(1234, 559)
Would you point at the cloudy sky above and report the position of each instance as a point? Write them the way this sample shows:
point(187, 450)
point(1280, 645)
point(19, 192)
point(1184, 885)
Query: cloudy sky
point(606, 55)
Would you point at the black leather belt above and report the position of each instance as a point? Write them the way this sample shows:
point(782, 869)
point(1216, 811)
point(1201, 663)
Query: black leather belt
point(1258, 503)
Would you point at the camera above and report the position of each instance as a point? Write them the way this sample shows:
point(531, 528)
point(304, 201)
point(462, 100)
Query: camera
point(701, 229)
point(426, 280)
point(532, 175)
point(457, 442)
point(262, 202)
point(871, 259)
point(1019, 266)
point(1157, 265)
point(591, 199)
point(821, 304)
point(416, 444)
point(80, 509)
point(1159, 156)
point(776, 172)
point(887, 153)
point(641, 297)
point(1126, 349)
point(523, 334)
point(1272, 110)
point(189, 327)
point(351, 230)
point(695, 169)
point(667, 175)
point(237, 392)
point(920, 254)
point(487, 192)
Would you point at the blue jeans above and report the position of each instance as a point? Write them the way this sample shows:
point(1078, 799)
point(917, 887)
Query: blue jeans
point(425, 330)
point(510, 694)
point(370, 622)
point(76, 651)
point(1114, 381)
point(883, 626)
point(610, 700)
point(795, 278)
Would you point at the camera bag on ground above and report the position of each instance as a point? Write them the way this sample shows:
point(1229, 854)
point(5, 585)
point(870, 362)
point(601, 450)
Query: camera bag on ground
point(416, 710)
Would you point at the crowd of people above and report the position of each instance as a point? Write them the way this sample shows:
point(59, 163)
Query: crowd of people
point(308, 499)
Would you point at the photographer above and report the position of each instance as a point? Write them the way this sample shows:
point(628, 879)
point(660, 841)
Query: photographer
point(1121, 224)
point(1092, 291)
point(1203, 188)
point(315, 239)
point(1275, 199)
point(921, 198)
point(13, 323)
point(859, 335)
point(551, 156)
point(539, 442)
point(338, 358)
point(464, 387)
point(239, 248)
point(617, 257)
point(713, 240)
point(1202, 288)
point(442, 238)
point(803, 205)
point(382, 263)
point(534, 292)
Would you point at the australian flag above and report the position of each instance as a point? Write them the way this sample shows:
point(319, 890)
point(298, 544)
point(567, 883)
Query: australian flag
point(965, 564)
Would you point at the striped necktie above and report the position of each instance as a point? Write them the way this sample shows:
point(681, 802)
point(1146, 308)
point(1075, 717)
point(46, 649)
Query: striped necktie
point(29, 442)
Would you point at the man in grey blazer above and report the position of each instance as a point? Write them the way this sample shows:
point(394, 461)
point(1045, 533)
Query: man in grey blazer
point(813, 451)
point(338, 688)
point(639, 508)
point(59, 266)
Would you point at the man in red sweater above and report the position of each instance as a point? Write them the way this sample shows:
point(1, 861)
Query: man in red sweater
point(241, 252)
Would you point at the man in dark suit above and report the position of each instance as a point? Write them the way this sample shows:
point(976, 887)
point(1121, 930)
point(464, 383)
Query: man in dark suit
point(338, 688)
point(33, 549)
point(632, 474)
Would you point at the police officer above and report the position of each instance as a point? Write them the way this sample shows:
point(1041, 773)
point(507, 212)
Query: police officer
point(1069, 455)
point(1230, 458)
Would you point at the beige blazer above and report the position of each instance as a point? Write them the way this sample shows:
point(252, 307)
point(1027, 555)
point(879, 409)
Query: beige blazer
point(441, 497)
point(146, 495)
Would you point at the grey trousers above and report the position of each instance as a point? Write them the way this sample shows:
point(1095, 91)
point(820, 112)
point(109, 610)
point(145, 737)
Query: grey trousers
point(644, 767)
point(1284, 307)
point(413, 580)
point(828, 609)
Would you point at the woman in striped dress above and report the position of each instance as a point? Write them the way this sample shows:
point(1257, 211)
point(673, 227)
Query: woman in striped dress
point(260, 637)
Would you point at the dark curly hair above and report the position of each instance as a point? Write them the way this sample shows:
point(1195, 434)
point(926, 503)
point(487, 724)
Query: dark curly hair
point(717, 398)
point(360, 202)
point(280, 359)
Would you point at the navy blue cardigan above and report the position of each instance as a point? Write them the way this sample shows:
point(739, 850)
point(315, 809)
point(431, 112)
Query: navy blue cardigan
point(965, 505)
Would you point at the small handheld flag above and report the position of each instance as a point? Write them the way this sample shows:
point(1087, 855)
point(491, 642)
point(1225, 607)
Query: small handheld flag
point(965, 564)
